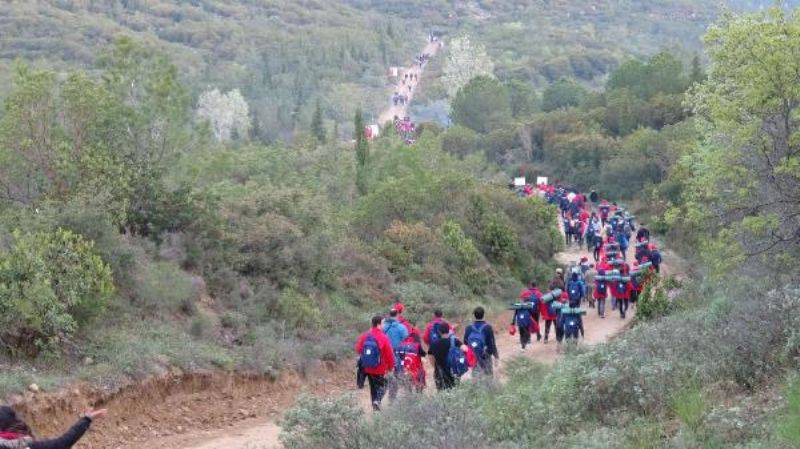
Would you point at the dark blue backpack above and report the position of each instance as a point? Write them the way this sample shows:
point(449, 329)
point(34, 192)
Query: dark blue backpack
point(601, 287)
point(524, 318)
point(571, 324)
point(477, 340)
point(655, 257)
point(456, 359)
point(534, 299)
point(370, 353)
point(621, 287)
point(434, 336)
point(575, 291)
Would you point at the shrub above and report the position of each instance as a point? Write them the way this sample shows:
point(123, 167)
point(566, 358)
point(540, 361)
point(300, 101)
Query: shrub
point(50, 284)
point(323, 423)
point(164, 287)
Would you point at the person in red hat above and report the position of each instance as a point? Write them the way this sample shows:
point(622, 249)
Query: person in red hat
point(399, 307)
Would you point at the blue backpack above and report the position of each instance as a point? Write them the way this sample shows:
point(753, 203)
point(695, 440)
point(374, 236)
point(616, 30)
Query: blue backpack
point(601, 287)
point(477, 340)
point(524, 318)
point(622, 287)
point(571, 325)
point(370, 353)
point(434, 336)
point(575, 291)
point(534, 299)
point(456, 359)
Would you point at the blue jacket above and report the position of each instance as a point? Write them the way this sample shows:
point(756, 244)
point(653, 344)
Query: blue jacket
point(395, 330)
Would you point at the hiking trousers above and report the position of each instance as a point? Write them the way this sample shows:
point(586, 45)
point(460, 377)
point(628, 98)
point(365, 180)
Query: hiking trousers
point(484, 367)
point(547, 324)
point(443, 378)
point(377, 387)
point(623, 304)
point(524, 336)
point(601, 307)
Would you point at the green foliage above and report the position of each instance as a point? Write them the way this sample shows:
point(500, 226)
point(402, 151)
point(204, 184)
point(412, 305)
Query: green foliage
point(50, 285)
point(788, 425)
point(562, 94)
point(318, 125)
point(482, 105)
point(362, 154)
point(323, 423)
point(460, 141)
point(162, 287)
point(690, 407)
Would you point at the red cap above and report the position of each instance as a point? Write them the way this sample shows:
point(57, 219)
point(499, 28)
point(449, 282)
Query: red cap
point(399, 307)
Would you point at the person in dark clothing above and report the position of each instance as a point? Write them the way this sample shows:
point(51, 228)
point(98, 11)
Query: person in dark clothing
point(642, 234)
point(441, 369)
point(480, 337)
point(593, 197)
point(14, 433)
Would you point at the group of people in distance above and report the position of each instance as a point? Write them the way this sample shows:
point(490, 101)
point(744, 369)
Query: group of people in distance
point(391, 353)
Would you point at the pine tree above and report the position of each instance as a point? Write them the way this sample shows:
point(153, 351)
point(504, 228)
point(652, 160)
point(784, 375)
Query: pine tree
point(698, 74)
point(318, 125)
point(362, 153)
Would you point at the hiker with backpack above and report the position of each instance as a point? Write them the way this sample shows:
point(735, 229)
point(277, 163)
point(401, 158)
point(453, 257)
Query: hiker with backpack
point(549, 315)
point(524, 321)
point(558, 280)
point(576, 289)
point(376, 360)
point(15, 433)
point(533, 295)
point(431, 334)
point(449, 355)
point(410, 369)
point(604, 211)
point(479, 337)
point(621, 290)
point(642, 234)
point(655, 258)
point(397, 333)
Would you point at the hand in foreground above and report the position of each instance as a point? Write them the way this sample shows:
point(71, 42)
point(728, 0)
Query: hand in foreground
point(93, 414)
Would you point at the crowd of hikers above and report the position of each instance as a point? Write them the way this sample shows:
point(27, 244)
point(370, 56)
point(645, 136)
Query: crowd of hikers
point(392, 353)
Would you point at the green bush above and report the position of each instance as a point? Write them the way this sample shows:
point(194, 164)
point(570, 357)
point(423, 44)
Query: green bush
point(51, 283)
point(163, 287)
point(788, 426)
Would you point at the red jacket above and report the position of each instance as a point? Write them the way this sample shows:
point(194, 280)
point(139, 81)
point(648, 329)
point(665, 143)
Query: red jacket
point(385, 346)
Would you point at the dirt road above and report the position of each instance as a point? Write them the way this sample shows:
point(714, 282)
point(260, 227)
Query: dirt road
point(414, 69)
point(263, 433)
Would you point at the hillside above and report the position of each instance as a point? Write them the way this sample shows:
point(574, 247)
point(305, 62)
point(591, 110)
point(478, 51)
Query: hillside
point(286, 55)
point(195, 222)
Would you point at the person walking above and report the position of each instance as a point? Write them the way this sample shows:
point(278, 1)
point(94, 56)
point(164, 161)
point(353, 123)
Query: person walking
point(431, 334)
point(440, 350)
point(479, 336)
point(397, 333)
point(376, 360)
point(16, 434)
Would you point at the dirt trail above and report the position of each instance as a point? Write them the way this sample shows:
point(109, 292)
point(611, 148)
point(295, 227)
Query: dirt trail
point(213, 411)
point(402, 110)
point(263, 432)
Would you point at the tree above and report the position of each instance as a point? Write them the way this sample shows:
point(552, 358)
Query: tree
point(482, 105)
point(50, 284)
point(227, 114)
point(362, 153)
point(318, 124)
point(562, 94)
point(465, 62)
point(747, 175)
point(698, 73)
point(523, 98)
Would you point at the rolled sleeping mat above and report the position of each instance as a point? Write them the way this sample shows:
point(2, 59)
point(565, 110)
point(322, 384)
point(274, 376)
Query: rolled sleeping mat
point(551, 296)
point(613, 278)
point(612, 253)
point(642, 244)
point(615, 262)
point(522, 306)
point(612, 246)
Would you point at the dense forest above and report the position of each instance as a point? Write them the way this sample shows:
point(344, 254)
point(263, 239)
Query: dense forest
point(186, 185)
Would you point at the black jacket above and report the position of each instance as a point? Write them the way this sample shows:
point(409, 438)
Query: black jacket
point(67, 440)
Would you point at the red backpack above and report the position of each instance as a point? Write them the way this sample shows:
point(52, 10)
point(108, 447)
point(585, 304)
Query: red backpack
point(410, 363)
